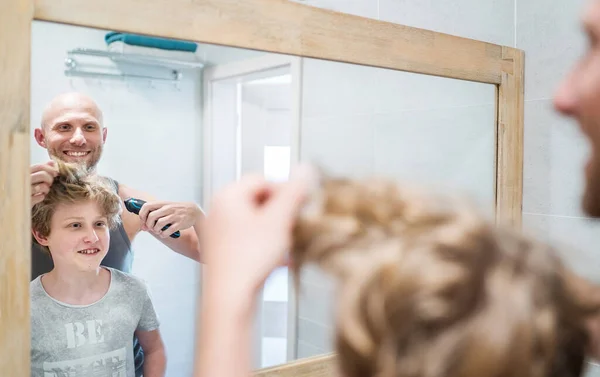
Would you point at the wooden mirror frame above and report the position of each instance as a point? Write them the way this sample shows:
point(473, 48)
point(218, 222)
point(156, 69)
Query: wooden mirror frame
point(278, 26)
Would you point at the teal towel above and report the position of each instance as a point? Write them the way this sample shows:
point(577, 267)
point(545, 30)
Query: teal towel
point(154, 42)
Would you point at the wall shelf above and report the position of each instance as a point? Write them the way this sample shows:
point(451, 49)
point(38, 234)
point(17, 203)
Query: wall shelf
point(173, 65)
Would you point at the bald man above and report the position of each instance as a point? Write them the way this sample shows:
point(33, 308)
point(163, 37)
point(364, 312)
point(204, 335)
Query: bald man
point(72, 130)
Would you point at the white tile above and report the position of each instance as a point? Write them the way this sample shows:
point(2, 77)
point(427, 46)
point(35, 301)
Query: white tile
point(274, 320)
point(313, 274)
point(316, 303)
point(363, 8)
point(276, 286)
point(489, 21)
point(176, 307)
point(554, 157)
point(397, 90)
point(340, 145)
point(315, 334)
point(576, 239)
point(338, 89)
point(550, 33)
point(306, 350)
point(274, 351)
point(593, 370)
point(159, 265)
point(451, 147)
point(335, 89)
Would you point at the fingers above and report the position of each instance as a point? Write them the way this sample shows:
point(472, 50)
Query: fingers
point(49, 167)
point(157, 219)
point(35, 199)
point(289, 196)
point(42, 177)
point(164, 221)
point(41, 189)
point(147, 208)
point(155, 215)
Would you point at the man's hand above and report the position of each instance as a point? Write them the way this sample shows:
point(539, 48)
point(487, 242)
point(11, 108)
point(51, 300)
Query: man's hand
point(156, 215)
point(42, 176)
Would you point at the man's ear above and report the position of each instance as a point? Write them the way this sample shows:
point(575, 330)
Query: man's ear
point(39, 238)
point(39, 137)
point(104, 132)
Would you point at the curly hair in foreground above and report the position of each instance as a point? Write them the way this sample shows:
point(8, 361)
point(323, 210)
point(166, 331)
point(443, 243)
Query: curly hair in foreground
point(74, 184)
point(427, 287)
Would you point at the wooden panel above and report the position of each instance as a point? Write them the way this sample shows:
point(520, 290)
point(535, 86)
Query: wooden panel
point(285, 27)
point(15, 41)
point(510, 141)
point(318, 366)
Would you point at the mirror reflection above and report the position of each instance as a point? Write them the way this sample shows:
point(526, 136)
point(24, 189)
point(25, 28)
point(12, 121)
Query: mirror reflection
point(170, 122)
point(362, 121)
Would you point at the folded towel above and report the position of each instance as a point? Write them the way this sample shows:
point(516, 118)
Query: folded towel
point(152, 42)
point(123, 48)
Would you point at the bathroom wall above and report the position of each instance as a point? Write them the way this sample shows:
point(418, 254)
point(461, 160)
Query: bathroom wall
point(360, 121)
point(555, 151)
point(550, 32)
point(152, 133)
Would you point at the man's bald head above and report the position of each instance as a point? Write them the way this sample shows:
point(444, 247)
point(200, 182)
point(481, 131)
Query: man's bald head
point(70, 101)
point(72, 130)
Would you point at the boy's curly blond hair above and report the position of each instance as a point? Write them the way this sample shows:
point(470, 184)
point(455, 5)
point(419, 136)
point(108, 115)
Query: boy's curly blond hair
point(75, 184)
point(428, 288)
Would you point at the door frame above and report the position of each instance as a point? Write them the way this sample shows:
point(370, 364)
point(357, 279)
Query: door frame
point(241, 68)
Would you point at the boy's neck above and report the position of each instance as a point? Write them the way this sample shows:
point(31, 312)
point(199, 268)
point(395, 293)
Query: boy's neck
point(77, 288)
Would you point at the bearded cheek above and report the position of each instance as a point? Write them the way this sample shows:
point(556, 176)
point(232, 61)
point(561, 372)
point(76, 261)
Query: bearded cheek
point(592, 194)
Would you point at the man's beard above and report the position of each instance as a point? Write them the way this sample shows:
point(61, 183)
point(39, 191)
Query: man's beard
point(591, 198)
point(90, 162)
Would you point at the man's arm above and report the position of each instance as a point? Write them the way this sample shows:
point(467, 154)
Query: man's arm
point(155, 359)
point(188, 244)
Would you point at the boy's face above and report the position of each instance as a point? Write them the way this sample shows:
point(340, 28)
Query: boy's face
point(79, 236)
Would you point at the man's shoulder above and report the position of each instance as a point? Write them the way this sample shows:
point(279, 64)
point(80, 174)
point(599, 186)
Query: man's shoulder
point(110, 181)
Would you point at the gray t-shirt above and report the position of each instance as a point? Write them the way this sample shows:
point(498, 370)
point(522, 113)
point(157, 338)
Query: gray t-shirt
point(89, 340)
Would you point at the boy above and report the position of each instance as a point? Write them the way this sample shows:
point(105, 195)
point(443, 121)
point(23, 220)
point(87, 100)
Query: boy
point(84, 316)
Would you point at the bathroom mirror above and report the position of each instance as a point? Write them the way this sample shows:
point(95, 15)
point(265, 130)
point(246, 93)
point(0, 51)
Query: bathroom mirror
point(155, 121)
point(229, 111)
point(376, 98)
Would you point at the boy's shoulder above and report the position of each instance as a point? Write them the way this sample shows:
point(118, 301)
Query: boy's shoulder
point(36, 290)
point(127, 281)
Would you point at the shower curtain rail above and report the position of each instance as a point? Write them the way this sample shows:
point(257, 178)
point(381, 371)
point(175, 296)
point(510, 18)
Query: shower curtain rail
point(137, 58)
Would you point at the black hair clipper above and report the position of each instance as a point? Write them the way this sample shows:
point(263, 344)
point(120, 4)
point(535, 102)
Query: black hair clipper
point(135, 205)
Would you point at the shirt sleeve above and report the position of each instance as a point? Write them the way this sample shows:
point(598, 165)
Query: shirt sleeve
point(149, 319)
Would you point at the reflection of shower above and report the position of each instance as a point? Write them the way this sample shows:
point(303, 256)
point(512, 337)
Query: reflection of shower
point(170, 69)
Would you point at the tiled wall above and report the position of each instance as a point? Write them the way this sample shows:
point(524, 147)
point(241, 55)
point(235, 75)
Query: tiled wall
point(555, 151)
point(548, 31)
point(360, 121)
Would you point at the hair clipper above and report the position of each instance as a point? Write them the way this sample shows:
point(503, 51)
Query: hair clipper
point(135, 205)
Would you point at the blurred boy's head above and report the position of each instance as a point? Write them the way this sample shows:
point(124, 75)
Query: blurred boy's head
point(74, 220)
point(429, 288)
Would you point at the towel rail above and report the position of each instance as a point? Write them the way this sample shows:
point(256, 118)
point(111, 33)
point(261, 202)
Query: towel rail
point(72, 69)
point(137, 58)
point(119, 76)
